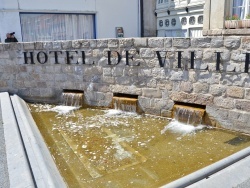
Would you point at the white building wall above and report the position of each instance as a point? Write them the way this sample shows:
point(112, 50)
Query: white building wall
point(109, 14)
point(178, 9)
point(117, 13)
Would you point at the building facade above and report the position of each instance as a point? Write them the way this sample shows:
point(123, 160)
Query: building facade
point(50, 20)
point(226, 17)
point(179, 18)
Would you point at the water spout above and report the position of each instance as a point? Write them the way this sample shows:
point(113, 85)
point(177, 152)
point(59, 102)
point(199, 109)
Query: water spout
point(72, 98)
point(125, 104)
point(188, 115)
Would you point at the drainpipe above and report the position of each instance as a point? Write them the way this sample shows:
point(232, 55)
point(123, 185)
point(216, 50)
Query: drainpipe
point(141, 17)
point(209, 14)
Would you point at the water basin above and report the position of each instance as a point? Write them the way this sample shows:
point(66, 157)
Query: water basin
point(112, 148)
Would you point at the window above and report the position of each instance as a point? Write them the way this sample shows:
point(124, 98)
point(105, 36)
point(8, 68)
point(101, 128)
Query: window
point(200, 20)
point(192, 20)
point(163, 1)
point(173, 22)
point(241, 8)
point(184, 21)
point(160, 23)
point(51, 27)
point(167, 22)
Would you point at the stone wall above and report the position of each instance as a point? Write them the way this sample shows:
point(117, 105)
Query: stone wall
point(158, 70)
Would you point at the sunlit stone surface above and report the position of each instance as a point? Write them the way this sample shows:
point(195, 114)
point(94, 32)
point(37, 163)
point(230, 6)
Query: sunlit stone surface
point(112, 148)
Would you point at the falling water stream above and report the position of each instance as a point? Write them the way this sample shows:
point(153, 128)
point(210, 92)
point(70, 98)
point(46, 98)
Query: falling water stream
point(113, 148)
point(72, 99)
point(125, 104)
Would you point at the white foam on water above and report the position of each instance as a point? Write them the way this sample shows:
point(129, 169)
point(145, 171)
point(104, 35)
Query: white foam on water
point(64, 109)
point(181, 128)
point(114, 112)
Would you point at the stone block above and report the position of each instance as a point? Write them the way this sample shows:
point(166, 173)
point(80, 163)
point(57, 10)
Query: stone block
point(76, 44)
point(151, 93)
point(201, 88)
point(242, 104)
point(186, 87)
point(102, 43)
point(126, 89)
point(232, 42)
point(97, 53)
point(1, 47)
point(181, 42)
point(47, 45)
point(192, 76)
point(4, 55)
point(16, 46)
point(66, 44)
point(85, 43)
point(219, 114)
point(144, 102)
point(108, 79)
point(93, 43)
point(151, 83)
point(28, 45)
point(201, 42)
point(126, 42)
point(156, 42)
point(24, 92)
point(235, 92)
point(192, 98)
point(34, 92)
point(113, 43)
point(217, 42)
point(6, 46)
point(247, 93)
point(217, 90)
point(140, 42)
point(118, 71)
point(107, 71)
point(177, 76)
point(125, 80)
point(168, 42)
point(147, 53)
point(238, 56)
point(164, 104)
point(240, 116)
point(236, 80)
point(209, 55)
point(48, 92)
point(222, 102)
point(245, 43)
point(57, 45)
point(38, 45)
point(202, 99)
point(225, 55)
point(60, 78)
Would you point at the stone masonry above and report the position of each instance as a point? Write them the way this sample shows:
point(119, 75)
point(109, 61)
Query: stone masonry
point(158, 70)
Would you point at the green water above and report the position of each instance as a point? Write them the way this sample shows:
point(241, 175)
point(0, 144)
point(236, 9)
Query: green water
point(93, 148)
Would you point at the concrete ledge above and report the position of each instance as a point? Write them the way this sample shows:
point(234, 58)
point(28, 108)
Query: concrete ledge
point(226, 32)
point(18, 166)
point(44, 169)
point(209, 170)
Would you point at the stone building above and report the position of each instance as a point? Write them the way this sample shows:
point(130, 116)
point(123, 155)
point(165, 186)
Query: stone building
point(179, 18)
point(226, 17)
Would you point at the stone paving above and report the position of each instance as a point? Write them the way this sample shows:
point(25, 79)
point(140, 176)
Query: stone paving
point(4, 176)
